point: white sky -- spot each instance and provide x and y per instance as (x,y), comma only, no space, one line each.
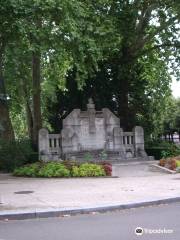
(175,86)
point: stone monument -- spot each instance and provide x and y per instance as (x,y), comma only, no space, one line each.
(92,132)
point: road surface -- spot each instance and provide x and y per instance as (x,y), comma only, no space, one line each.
(157,222)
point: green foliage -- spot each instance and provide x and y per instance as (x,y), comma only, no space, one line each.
(172,151)
(75,171)
(15,154)
(178,164)
(159,144)
(88,170)
(172,117)
(56,169)
(31,170)
(162,149)
(69,164)
(55,29)
(156,152)
(40,169)
(154,94)
(166,154)
(115,40)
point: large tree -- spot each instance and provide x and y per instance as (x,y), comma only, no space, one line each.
(52,38)
(144,26)
(129,42)
(8,32)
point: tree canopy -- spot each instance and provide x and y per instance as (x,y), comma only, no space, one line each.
(56,54)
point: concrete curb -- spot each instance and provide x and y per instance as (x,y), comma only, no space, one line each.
(157,168)
(58,212)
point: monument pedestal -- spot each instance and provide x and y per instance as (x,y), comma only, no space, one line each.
(92,132)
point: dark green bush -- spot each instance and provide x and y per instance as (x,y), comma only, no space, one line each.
(156,152)
(161,149)
(158,144)
(14,154)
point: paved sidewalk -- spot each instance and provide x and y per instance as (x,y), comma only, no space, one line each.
(135,169)
(84,192)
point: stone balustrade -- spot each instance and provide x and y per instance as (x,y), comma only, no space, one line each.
(128,138)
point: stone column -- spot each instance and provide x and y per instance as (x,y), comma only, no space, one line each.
(138,133)
(43,144)
(117,138)
(67,135)
(91,113)
(118,141)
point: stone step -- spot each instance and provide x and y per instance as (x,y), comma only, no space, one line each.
(96,155)
(114,160)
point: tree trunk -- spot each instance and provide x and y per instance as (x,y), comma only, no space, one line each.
(29,115)
(124,78)
(123,108)
(6,129)
(37,121)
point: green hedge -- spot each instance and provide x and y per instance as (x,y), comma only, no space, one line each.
(57,169)
(160,152)
(156,152)
(161,149)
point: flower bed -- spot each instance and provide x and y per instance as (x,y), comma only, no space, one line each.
(64,169)
(172,163)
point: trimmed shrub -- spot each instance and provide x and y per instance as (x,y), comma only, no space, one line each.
(31,170)
(54,169)
(40,169)
(75,171)
(57,169)
(70,164)
(88,170)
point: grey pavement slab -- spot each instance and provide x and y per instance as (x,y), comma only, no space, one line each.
(84,192)
(136,169)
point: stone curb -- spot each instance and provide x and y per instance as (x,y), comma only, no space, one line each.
(156,167)
(60,212)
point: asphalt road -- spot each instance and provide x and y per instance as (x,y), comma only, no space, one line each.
(118,225)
